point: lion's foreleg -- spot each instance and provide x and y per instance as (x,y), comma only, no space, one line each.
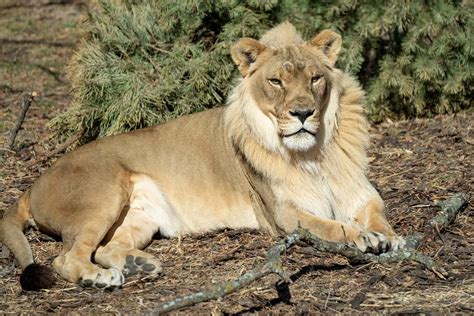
(371,217)
(290,217)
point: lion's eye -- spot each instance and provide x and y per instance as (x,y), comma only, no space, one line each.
(316,79)
(275,82)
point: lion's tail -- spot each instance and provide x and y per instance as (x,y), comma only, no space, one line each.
(34,276)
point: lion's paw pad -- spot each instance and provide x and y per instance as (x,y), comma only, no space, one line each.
(134,265)
(87,283)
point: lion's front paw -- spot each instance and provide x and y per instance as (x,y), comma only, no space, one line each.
(377,243)
(396,243)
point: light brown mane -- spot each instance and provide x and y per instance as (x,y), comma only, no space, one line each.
(282,35)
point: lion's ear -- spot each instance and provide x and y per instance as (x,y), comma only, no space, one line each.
(330,43)
(245,52)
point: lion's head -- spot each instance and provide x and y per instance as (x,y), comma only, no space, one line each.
(290,81)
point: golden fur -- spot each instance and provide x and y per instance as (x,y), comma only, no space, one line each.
(288,150)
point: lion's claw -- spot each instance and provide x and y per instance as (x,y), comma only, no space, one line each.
(377,243)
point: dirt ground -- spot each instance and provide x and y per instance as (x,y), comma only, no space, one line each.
(413,164)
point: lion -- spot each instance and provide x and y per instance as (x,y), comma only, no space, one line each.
(288,150)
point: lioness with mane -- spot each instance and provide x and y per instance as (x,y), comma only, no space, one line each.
(288,150)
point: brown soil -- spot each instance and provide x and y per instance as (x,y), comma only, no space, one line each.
(413,164)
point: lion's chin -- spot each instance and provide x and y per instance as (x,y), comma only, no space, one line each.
(300,142)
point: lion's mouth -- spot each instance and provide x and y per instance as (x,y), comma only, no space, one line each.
(302,130)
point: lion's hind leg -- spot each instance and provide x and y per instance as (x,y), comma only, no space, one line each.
(149,212)
(92,216)
(123,252)
(74,263)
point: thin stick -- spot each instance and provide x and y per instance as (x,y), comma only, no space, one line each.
(25,104)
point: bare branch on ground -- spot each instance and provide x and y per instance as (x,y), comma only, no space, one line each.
(449,210)
(219,290)
(25,105)
(273,264)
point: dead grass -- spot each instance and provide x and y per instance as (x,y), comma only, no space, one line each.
(413,164)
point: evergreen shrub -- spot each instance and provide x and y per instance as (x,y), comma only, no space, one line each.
(143,62)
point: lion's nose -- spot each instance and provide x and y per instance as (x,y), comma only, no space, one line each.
(302,115)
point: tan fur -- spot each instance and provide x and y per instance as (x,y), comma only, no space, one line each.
(249,165)
(11,226)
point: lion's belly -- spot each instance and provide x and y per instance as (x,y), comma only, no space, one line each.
(175,211)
